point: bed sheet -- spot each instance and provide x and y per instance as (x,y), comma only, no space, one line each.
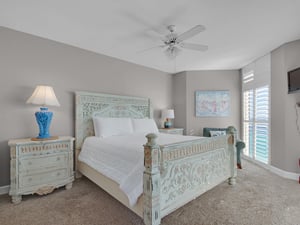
(121,158)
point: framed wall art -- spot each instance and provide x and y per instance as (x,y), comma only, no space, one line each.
(212,103)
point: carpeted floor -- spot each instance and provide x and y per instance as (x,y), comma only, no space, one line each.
(258,198)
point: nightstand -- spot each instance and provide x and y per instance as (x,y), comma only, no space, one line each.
(40,166)
(171,130)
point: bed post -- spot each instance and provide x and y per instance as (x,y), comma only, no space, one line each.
(77,173)
(151,183)
(231,143)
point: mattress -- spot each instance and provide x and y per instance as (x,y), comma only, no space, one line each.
(121,158)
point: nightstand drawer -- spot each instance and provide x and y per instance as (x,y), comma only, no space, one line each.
(43,148)
(38,164)
(178,131)
(175,131)
(42,178)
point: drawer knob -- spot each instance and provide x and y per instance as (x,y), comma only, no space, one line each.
(58,158)
(58,174)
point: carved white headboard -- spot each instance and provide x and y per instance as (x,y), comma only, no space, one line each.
(106,105)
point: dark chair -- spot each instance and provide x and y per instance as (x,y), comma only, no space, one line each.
(240,145)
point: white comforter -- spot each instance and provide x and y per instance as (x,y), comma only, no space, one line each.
(121,158)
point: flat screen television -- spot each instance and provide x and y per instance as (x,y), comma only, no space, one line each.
(294,81)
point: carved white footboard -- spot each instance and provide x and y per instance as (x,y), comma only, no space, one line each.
(177,173)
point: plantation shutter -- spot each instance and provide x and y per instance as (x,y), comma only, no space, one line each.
(256,78)
(262,124)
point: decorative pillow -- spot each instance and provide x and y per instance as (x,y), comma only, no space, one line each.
(144,125)
(106,127)
(214,133)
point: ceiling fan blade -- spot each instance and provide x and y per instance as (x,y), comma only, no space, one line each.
(148,49)
(192,46)
(190,33)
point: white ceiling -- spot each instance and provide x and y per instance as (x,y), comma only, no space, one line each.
(237,31)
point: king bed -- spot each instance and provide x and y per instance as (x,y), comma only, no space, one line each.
(154,180)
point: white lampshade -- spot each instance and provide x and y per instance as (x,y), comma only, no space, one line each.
(43,95)
(168,114)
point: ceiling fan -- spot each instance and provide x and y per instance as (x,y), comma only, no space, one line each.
(174,43)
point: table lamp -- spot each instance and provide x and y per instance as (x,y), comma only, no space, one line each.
(168,114)
(43,96)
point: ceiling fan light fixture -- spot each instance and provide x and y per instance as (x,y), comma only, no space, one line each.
(172,52)
(170,38)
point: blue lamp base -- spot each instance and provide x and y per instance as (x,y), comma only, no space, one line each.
(43,118)
(168,124)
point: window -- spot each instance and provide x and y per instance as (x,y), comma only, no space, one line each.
(256,123)
(256,110)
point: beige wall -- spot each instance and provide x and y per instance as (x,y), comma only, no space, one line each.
(285,137)
(192,81)
(179,99)
(26,61)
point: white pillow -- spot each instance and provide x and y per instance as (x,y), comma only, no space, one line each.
(106,127)
(144,125)
(214,133)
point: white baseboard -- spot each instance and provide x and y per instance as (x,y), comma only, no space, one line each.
(4,190)
(279,172)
